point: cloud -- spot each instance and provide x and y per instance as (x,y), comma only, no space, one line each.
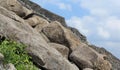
(64,6)
(100,6)
(103,33)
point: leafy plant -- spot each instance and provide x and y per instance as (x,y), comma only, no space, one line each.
(14,53)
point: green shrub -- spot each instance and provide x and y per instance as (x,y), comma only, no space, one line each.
(14,53)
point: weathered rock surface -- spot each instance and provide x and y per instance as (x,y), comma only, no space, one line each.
(43,55)
(52,45)
(45,38)
(111,58)
(35,20)
(15,6)
(89,59)
(62,49)
(59,34)
(44,13)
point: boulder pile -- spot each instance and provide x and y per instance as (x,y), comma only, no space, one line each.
(50,42)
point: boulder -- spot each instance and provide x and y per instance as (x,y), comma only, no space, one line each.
(42,54)
(37,22)
(86,57)
(13,16)
(111,58)
(61,48)
(15,6)
(48,15)
(59,34)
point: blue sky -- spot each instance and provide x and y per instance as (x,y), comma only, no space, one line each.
(99,20)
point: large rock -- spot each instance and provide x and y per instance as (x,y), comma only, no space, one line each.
(15,6)
(61,48)
(45,13)
(43,55)
(59,34)
(86,57)
(35,20)
(111,58)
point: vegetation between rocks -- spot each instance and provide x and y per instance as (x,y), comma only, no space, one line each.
(14,53)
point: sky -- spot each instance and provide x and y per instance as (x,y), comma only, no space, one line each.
(98,20)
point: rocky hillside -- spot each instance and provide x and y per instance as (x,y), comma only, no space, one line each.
(50,43)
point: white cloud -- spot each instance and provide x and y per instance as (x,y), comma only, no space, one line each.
(64,6)
(103,33)
(96,6)
(113,23)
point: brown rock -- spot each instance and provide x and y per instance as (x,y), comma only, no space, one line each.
(43,55)
(82,55)
(85,57)
(110,57)
(45,38)
(62,49)
(45,13)
(37,22)
(15,6)
(59,34)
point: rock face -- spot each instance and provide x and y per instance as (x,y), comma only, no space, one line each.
(44,13)
(62,49)
(89,59)
(43,55)
(15,6)
(59,34)
(51,44)
(112,59)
